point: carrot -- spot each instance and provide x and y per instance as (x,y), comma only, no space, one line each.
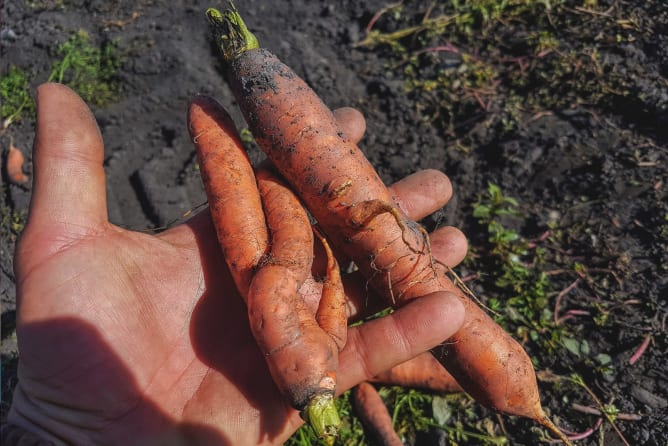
(14,165)
(302,357)
(374,415)
(230,185)
(421,372)
(331,313)
(354,209)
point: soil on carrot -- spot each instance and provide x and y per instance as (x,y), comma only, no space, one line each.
(549,117)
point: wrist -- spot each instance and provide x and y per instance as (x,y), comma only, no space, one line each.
(29,423)
(32,424)
(13,435)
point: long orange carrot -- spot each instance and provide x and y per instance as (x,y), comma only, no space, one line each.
(230,186)
(351,204)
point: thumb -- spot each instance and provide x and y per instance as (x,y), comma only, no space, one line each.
(69,194)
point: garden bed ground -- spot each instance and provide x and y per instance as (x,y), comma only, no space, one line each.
(563,110)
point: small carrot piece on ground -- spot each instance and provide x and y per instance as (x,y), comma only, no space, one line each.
(353,207)
(15,160)
(302,357)
(422,372)
(230,186)
(373,413)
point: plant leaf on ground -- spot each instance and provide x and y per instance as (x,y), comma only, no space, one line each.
(15,96)
(518,287)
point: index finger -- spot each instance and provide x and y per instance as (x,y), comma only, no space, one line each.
(382,343)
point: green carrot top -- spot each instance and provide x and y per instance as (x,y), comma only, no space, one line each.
(234,37)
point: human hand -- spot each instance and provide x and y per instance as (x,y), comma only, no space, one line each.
(126,337)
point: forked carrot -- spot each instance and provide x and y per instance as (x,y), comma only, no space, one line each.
(302,356)
(331,314)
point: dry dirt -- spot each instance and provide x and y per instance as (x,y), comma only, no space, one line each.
(590,176)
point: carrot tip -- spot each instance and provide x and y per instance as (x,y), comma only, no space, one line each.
(549,425)
(322,416)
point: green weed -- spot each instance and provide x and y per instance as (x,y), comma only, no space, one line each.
(609,411)
(45,5)
(452,92)
(458,416)
(520,289)
(502,62)
(450,55)
(396,40)
(12,222)
(89,70)
(412,412)
(15,94)
(488,209)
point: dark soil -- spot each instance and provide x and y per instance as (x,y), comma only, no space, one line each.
(579,142)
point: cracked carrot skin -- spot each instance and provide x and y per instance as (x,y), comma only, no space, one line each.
(230,185)
(302,357)
(329,173)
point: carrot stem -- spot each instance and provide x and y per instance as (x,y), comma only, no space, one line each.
(322,415)
(229,28)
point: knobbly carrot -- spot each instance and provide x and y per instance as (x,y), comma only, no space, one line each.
(302,357)
(422,372)
(374,415)
(352,206)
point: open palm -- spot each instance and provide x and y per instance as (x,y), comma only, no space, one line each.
(131,338)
